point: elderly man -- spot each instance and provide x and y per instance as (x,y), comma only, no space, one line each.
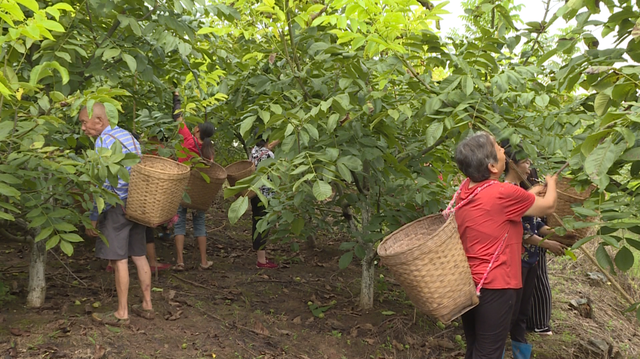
(126,238)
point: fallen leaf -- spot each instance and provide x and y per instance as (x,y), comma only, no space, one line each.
(367,326)
(285,290)
(354,332)
(369,341)
(309,321)
(96,305)
(260,329)
(397,345)
(285,332)
(114,329)
(297,320)
(169,294)
(327,287)
(174,316)
(99,351)
(19,333)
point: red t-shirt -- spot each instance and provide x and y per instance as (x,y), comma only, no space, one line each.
(189,143)
(483,223)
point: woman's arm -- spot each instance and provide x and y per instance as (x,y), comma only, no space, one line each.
(546,205)
(552,246)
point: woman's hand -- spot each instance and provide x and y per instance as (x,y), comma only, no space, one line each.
(553,247)
(537,189)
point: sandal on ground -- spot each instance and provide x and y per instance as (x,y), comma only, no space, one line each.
(208,266)
(110,319)
(143,313)
(179,267)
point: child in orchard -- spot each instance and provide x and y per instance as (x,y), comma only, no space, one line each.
(261,152)
(199,144)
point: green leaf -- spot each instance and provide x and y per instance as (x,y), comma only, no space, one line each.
(71,237)
(51,25)
(66,247)
(433,104)
(7,178)
(238,208)
(345,260)
(467,85)
(297,225)
(603,257)
(110,53)
(322,190)
(631,155)
(29,4)
(112,114)
(388,312)
(7,190)
(332,122)
(601,103)
(65,227)
(99,203)
(345,246)
(44,233)
(434,132)
(624,259)
(53,241)
(131,62)
(37,222)
(351,162)
(313,132)
(7,216)
(600,160)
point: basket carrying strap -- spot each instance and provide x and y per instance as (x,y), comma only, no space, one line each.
(124,209)
(450,209)
(123,145)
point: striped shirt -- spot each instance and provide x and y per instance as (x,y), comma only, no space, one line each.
(128,144)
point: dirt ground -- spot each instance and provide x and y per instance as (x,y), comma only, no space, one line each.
(238,311)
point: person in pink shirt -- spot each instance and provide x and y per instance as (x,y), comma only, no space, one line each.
(197,144)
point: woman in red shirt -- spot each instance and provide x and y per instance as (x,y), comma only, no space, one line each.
(197,144)
(488,215)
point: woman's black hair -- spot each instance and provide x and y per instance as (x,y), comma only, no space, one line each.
(206,132)
(532,178)
(260,142)
(512,153)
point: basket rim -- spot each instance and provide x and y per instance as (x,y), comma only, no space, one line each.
(387,238)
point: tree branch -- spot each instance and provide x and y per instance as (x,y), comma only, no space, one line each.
(12,237)
(110,33)
(155,7)
(543,27)
(317,15)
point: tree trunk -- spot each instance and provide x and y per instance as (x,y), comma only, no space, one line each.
(37,283)
(367,284)
(368,277)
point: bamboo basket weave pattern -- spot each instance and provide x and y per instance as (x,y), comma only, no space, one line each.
(201,193)
(427,258)
(567,196)
(156,186)
(239,170)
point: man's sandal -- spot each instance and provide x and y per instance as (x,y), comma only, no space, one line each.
(179,267)
(110,319)
(143,313)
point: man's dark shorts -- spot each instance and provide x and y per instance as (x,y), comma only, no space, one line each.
(126,238)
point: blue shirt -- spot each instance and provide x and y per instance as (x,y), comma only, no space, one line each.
(531,226)
(128,144)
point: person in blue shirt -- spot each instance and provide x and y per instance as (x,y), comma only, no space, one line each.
(125,238)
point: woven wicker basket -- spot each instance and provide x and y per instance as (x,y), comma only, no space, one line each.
(156,186)
(239,170)
(567,195)
(202,193)
(427,258)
